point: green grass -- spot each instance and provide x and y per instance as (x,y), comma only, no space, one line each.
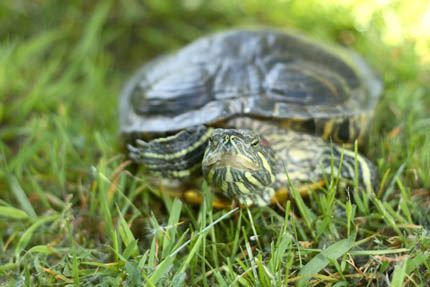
(73,213)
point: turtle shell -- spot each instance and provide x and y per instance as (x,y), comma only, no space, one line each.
(263,73)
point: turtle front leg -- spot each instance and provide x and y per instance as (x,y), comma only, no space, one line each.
(178,156)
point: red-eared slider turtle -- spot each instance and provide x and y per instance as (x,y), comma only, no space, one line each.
(244,109)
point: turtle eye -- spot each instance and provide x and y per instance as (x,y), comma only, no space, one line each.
(255,142)
(211,139)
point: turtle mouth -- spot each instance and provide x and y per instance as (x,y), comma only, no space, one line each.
(236,161)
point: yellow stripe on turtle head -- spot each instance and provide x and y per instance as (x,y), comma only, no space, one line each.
(267,166)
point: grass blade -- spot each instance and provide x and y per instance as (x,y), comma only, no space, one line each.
(26,236)
(399,274)
(22,197)
(12,212)
(321,260)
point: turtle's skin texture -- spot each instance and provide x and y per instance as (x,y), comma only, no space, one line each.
(244,109)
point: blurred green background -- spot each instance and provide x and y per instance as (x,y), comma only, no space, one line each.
(62,65)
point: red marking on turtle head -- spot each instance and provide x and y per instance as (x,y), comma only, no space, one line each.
(264,142)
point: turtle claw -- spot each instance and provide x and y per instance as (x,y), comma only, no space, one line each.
(134,152)
(141,143)
(132,148)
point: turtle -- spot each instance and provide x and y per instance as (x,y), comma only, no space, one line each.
(254,112)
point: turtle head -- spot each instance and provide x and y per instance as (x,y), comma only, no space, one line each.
(240,164)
